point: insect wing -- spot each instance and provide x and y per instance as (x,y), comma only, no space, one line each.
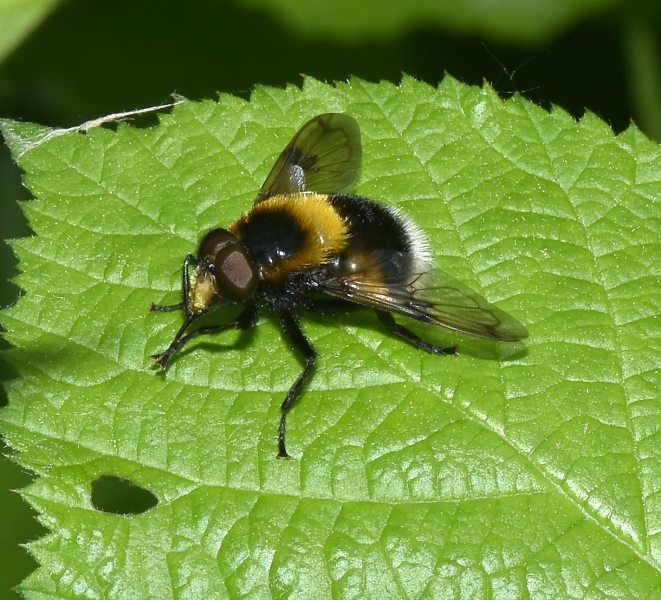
(397,282)
(324,156)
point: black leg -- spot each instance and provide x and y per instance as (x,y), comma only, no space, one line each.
(400,331)
(245,320)
(292,330)
(185,290)
(166,308)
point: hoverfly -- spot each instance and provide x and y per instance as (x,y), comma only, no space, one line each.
(304,246)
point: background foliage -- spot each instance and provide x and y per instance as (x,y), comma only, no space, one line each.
(599,55)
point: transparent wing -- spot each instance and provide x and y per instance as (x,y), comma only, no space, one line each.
(324,156)
(397,282)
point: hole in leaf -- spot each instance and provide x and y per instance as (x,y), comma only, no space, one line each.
(112,494)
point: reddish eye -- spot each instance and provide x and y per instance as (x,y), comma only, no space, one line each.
(233,270)
(235,274)
(214,241)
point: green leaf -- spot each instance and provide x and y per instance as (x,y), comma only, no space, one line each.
(507,471)
(505,20)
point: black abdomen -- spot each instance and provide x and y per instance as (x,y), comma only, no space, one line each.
(372,226)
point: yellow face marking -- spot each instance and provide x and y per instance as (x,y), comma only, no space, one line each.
(202,290)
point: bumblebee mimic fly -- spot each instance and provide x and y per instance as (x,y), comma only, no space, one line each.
(305,246)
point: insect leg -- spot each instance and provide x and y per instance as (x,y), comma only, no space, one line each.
(400,331)
(244,321)
(185,286)
(292,330)
(165,308)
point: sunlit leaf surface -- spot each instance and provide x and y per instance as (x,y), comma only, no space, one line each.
(508,471)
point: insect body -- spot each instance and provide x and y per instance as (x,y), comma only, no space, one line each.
(304,246)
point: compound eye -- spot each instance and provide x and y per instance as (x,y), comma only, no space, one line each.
(214,241)
(234,271)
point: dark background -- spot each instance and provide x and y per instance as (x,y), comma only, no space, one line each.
(91,58)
